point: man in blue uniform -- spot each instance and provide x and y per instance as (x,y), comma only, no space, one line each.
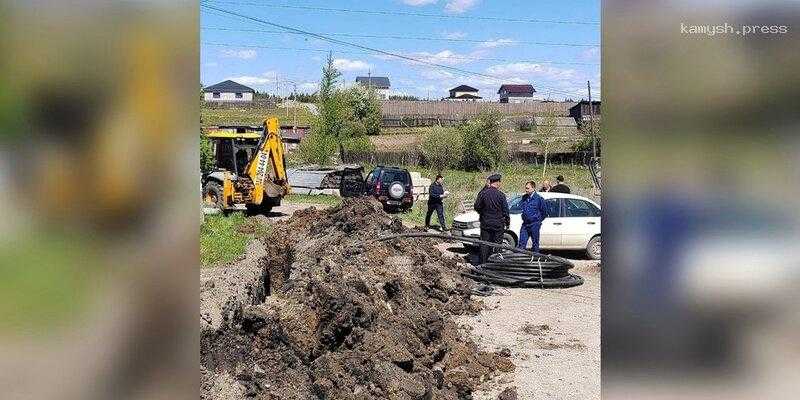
(533,213)
(492,206)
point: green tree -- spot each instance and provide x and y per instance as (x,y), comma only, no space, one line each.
(345,118)
(321,144)
(443,148)
(206,155)
(484,146)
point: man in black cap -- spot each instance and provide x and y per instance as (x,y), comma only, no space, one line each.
(492,206)
(560,186)
(435,195)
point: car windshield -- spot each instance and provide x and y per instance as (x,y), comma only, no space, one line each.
(515,204)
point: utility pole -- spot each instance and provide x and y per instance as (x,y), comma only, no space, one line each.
(294,107)
(369,79)
(591,119)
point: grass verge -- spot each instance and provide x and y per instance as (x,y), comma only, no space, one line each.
(224,238)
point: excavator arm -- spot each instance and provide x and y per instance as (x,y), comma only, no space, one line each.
(267,167)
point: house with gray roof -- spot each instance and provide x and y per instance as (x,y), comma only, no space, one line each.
(380,84)
(228,91)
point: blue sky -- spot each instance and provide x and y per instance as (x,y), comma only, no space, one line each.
(501,51)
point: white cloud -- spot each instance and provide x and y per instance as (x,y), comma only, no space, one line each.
(592,53)
(454,35)
(517,69)
(252,80)
(444,57)
(489,44)
(417,3)
(264,79)
(242,54)
(344,64)
(459,6)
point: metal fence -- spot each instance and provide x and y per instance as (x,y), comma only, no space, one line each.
(457,110)
(582,158)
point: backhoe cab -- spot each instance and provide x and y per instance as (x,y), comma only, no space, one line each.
(250,168)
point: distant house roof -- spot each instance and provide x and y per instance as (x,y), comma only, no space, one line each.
(517,89)
(466,96)
(378,82)
(464,88)
(228,87)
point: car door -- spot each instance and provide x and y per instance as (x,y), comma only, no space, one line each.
(550,233)
(581,222)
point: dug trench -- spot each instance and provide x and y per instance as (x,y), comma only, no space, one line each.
(334,315)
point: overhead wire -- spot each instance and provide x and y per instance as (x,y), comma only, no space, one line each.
(411,13)
(205,5)
(401,37)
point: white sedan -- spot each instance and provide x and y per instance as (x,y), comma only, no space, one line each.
(572,223)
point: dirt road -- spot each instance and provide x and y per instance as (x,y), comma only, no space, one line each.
(553,335)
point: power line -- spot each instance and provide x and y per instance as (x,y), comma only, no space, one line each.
(411,14)
(428,38)
(345,43)
(455,57)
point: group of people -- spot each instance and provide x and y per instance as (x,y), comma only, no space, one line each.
(492,207)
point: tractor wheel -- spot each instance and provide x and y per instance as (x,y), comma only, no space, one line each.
(212,195)
(263,208)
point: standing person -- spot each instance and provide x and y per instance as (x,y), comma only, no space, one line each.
(492,206)
(546,186)
(533,213)
(435,195)
(560,186)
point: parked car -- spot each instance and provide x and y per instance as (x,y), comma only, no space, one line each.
(391,186)
(572,223)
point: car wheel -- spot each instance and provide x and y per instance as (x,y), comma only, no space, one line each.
(509,239)
(593,248)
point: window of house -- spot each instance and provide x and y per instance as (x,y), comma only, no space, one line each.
(239,95)
(215,95)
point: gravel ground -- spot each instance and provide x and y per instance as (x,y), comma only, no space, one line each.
(553,335)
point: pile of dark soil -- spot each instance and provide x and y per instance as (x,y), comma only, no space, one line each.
(334,318)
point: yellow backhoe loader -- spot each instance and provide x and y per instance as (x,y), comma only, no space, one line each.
(250,168)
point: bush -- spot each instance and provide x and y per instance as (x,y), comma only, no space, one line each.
(359,144)
(524,125)
(206,155)
(484,146)
(317,148)
(443,148)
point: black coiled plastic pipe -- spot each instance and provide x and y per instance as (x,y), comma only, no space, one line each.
(512,267)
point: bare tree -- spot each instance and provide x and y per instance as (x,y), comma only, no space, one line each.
(546,129)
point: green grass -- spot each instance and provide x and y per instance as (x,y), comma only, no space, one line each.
(213,116)
(224,238)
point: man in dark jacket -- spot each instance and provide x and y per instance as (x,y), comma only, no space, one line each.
(435,195)
(533,213)
(560,187)
(492,206)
